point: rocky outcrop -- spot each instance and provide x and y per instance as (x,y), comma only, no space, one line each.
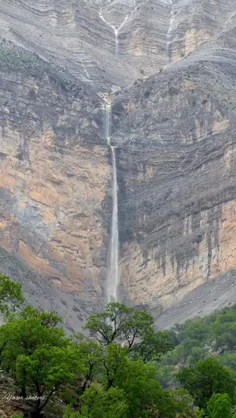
(170,67)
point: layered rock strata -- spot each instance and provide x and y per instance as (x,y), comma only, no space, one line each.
(54,173)
(177,172)
(171,67)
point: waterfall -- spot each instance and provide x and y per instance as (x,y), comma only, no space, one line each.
(169,35)
(113,266)
(108,123)
(113,278)
(115,30)
(116,42)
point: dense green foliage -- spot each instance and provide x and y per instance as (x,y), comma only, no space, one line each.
(220,406)
(198,339)
(119,370)
(11,296)
(207,349)
(206,378)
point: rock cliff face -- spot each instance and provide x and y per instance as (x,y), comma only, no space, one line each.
(177,182)
(171,67)
(79,36)
(54,173)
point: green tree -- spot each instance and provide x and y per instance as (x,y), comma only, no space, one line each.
(115,363)
(196,330)
(229,360)
(11,296)
(165,376)
(184,402)
(220,406)
(38,355)
(197,354)
(119,323)
(44,372)
(23,336)
(131,327)
(99,403)
(224,329)
(91,356)
(144,395)
(206,378)
(49,319)
(153,345)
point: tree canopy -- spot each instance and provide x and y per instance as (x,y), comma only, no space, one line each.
(220,405)
(132,328)
(205,379)
(123,369)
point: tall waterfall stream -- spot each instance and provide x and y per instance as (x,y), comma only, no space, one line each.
(113,263)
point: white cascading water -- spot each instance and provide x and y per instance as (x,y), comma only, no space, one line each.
(169,36)
(113,280)
(108,122)
(113,267)
(115,30)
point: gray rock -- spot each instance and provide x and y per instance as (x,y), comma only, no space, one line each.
(172,78)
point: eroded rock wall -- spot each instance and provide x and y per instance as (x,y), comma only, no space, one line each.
(177,181)
(54,174)
(78,35)
(171,72)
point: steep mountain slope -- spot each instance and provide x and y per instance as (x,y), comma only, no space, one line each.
(78,35)
(169,68)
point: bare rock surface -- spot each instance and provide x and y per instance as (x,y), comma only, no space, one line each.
(54,173)
(177,171)
(79,35)
(205,299)
(170,68)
